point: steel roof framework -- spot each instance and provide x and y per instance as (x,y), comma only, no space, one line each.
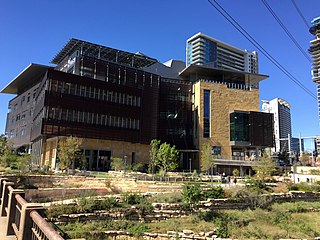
(137,60)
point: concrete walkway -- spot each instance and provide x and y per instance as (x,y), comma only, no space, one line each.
(3,230)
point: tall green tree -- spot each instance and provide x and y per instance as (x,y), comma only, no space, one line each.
(206,157)
(3,145)
(69,152)
(154,148)
(264,168)
(167,157)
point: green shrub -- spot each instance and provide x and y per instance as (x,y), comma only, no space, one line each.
(138,167)
(220,220)
(208,216)
(56,211)
(138,229)
(86,204)
(192,193)
(222,229)
(214,192)
(132,198)
(90,204)
(108,203)
(305,187)
(256,185)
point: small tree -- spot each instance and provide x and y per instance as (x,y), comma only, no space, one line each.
(284,156)
(154,148)
(206,157)
(235,173)
(264,168)
(117,163)
(8,157)
(304,158)
(24,162)
(70,152)
(167,157)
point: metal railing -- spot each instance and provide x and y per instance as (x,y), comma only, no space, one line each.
(24,220)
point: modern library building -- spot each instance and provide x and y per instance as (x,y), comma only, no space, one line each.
(117,102)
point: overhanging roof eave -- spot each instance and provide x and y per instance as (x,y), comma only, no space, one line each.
(28,77)
(193,69)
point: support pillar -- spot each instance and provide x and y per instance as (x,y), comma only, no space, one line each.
(300,144)
(5,198)
(25,228)
(12,209)
(1,186)
(241,171)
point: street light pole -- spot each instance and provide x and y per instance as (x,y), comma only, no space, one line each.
(124,165)
(190,165)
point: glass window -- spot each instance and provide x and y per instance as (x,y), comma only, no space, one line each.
(97,93)
(82,91)
(116,97)
(138,101)
(92,90)
(206,113)
(239,126)
(129,100)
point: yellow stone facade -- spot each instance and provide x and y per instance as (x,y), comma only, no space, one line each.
(117,148)
(223,100)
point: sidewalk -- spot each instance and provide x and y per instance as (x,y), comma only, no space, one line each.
(3,230)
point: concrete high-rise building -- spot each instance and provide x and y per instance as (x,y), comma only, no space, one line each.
(295,145)
(204,50)
(314,50)
(282,122)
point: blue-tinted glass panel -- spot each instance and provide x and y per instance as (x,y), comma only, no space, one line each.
(206,113)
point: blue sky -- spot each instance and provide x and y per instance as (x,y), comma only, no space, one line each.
(34,31)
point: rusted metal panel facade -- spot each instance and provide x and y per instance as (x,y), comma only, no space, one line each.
(121,105)
(261,129)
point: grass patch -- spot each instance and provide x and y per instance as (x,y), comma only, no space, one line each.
(94,230)
(286,220)
(84,205)
(100,175)
(174,197)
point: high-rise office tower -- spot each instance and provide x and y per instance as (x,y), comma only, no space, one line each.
(314,50)
(282,122)
(204,50)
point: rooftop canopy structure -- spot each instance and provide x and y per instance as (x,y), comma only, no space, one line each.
(137,60)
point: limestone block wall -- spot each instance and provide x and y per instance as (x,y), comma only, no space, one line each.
(223,100)
(117,148)
(55,187)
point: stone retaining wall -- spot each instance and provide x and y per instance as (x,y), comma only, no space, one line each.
(184,235)
(162,211)
(116,185)
(52,194)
